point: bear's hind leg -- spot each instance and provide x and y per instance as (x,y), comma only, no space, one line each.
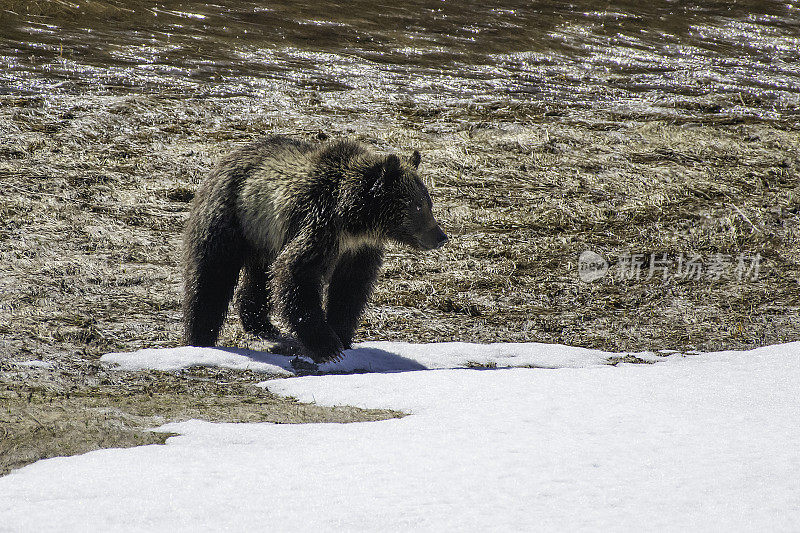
(213,258)
(349,289)
(254,300)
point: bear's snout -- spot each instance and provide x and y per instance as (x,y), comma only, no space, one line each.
(434,238)
(442,240)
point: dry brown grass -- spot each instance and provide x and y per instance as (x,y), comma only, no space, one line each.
(97,190)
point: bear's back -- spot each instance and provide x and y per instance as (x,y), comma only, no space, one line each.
(285,179)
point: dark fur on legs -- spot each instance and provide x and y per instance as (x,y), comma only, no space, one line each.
(349,289)
(212,270)
(297,281)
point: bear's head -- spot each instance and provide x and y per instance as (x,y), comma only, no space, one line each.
(406,210)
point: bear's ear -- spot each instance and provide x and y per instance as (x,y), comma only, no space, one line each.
(415,159)
(392,164)
(391,169)
(385,173)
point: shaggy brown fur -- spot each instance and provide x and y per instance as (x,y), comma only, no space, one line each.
(295,218)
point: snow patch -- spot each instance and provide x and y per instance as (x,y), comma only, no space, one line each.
(377,357)
(184,357)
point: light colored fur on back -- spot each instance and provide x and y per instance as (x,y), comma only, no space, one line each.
(265,198)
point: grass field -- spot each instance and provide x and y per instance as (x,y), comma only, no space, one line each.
(96,191)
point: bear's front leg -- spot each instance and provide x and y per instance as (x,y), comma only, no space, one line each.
(349,289)
(297,292)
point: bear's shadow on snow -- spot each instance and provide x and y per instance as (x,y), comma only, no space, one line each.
(372,360)
(355,360)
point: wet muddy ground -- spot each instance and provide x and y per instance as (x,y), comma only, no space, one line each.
(674,155)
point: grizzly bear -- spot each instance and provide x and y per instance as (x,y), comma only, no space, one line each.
(296,219)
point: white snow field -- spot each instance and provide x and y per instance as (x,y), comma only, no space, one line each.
(704,442)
